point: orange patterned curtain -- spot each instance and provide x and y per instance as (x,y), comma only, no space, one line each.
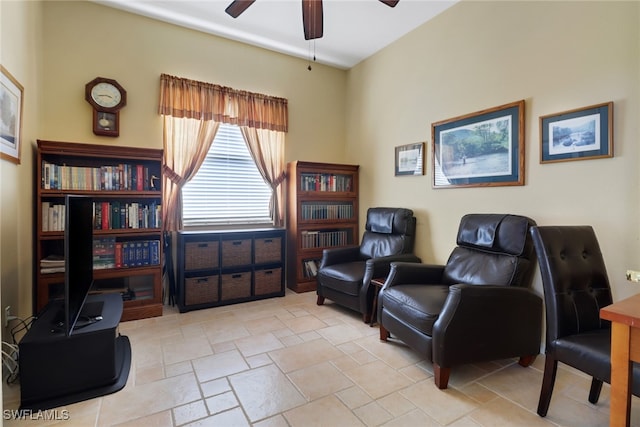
(192,112)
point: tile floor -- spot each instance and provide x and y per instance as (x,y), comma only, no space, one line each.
(288,362)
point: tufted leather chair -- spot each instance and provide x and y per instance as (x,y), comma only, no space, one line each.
(477,307)
(345,273)
(576,287)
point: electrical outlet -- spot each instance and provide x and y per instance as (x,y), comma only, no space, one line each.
(7,315)
(633,276)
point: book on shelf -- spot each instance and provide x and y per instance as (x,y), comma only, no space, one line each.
(52,264)
(115,177)
(311,268)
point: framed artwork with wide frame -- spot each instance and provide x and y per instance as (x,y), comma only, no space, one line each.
(10,116)
(410,159)
(579,134)
(481,149)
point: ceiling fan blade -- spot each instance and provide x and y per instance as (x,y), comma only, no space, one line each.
(238,6)
(312,19)
(390,3)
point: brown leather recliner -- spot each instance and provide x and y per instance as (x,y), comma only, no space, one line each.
(345,273)
(477,307)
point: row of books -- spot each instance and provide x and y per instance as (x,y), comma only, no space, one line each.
(326,182)
(107,215)
(117,215)
(111,253)
(326,211)
(321,239)
(310,268)
(119,177)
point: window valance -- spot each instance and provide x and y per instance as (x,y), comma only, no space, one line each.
(185,98)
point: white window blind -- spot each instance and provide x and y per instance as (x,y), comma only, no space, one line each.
(228,189)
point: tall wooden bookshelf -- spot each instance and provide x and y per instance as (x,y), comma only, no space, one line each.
(322,212)
(125,185)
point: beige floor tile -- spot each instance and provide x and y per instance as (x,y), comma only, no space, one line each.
(231,418)
(289,362)
(304,323)
(305,354)
(444,406)
(161,419)
(257,344)
(353,397)
(148,399)
(328,411)
(190,412)
(221,402)
(413,419)
(500,412)
(219,365)
(377,379)
(264,392)
(319,380)
(373,414)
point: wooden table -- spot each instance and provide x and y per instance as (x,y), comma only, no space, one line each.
(625,348)
(378,284)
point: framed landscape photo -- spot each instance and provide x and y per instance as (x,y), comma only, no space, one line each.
(580,134)
(10,116)
(410,159)
(485,148)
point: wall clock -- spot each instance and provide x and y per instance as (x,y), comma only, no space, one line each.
(107,97)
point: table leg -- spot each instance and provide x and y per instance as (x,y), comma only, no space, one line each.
(620,410)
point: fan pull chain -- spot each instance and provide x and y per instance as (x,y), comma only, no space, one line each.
(314,53)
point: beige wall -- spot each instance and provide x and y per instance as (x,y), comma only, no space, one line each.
(20,38)
(476,55)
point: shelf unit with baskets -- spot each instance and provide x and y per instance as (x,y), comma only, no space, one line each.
(125,185)
(322,212)
(228,267)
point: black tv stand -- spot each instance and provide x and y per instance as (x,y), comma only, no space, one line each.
(57,370)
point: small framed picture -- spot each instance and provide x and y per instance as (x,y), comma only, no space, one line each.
(10,117)
(410,159)
(580,134)
(485,148)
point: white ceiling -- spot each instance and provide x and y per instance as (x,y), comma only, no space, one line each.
(353,29)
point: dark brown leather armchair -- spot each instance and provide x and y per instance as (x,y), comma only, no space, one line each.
(477,307)
(345,273)
(576,287)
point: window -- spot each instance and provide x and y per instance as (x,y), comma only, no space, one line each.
(228,188)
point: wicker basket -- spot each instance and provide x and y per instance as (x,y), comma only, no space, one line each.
(268,281)
(268,250)
(236,252)
(200,290)
(236,285)
(201,255)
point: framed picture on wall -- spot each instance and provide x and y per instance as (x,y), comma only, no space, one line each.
(410,159)
(580,134)
(10,116)
(485,148)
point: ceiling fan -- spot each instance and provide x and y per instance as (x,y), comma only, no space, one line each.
(311,14)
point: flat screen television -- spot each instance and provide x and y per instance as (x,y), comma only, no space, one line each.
(78,249)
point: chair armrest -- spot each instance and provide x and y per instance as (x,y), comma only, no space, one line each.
(407,273)
(340,255)
(487,322)
(379,267)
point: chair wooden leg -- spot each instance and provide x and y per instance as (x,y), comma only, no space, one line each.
(594,393)
(548,379)
(366,318)
(384,334)
(441,376)
(320,300)
(526,360)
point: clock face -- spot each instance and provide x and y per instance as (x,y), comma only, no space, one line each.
(106,95)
